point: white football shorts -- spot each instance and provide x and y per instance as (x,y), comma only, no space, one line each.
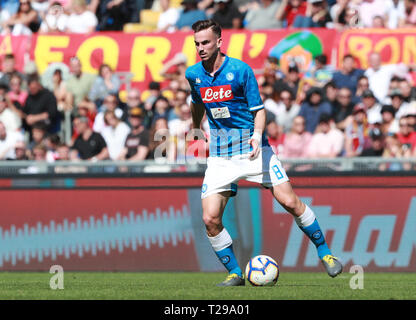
(222,174)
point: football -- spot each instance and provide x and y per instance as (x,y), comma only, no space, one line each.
(262,271)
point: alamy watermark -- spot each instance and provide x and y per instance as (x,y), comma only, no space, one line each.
(357,280)
(57,280)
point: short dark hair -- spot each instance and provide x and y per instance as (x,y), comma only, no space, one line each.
(33,78)
(322,59)
(207,24)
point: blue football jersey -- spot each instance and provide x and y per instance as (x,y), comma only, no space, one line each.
(229,98)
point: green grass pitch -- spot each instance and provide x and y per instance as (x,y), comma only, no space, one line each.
(201,286)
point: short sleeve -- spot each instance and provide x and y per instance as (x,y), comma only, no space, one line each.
(195,97)
(251,90)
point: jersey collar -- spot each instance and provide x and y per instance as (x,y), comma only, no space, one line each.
(219,70)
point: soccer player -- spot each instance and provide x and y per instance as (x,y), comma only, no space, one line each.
(226,89)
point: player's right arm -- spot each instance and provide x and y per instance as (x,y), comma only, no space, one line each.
(198,111)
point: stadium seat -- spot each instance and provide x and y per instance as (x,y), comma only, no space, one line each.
(148,22)
(136,27)
(175,3)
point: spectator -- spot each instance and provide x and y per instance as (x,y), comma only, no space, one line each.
(379,75)
(227,15)
(162,109)
(292,80)
(107,82)
(397,101)
(24,22)
(408,92)
(285,111)
(149,97)
(52,141)
(320,72)
(174,70)
(393,149)
(8,8)
(262,15)
(161,147)
(39,152)
(297,140)
(275,136)
(342,108)
(81,20)
(362,85)
(330,91)
(79,84)
(396,13)
(41,6)
(136,147)
(327,141)
(378,22)
(372,107)
(168,17)
(356,133)
(59,88)
(316,16)
(313,107)
(338,11)
(376,149)
(56,20)
(38,134)
(112,14)
(8,68)
(41,106)
(189,15)
(20,151)
(89,145)
(410,10)
(114,133)
(180,96)
(8,116)
(406,135)
(63,152)
(16,94)
(369,9)
(110,103)
(179,128)
(8,141)
(348,75)
(411,118)
(289,10)
(389,124)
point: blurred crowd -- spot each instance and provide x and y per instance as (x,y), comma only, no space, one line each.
(322,112)
(81,16)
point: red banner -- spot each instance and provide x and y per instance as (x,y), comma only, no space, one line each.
(144,54)
(395,46)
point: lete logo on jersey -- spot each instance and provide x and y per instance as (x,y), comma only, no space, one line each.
(216,94)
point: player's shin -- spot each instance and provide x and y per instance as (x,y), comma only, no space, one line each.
(222,245)
(308,223)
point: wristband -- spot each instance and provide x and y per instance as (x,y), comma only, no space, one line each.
(256,136)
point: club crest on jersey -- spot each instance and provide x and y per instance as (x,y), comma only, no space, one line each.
(197,80)
(216,94)
(230,76)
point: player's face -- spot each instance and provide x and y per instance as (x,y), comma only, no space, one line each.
(207,44)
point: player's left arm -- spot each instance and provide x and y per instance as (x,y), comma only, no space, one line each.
(259,126)
(256,106)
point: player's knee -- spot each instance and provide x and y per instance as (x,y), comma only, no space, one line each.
(290,202)
(211,221)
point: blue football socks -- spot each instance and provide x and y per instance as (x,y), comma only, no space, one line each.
(309,225)
(229,260)
(314,233)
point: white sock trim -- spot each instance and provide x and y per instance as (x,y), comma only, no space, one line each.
(306,219)
(221,240)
